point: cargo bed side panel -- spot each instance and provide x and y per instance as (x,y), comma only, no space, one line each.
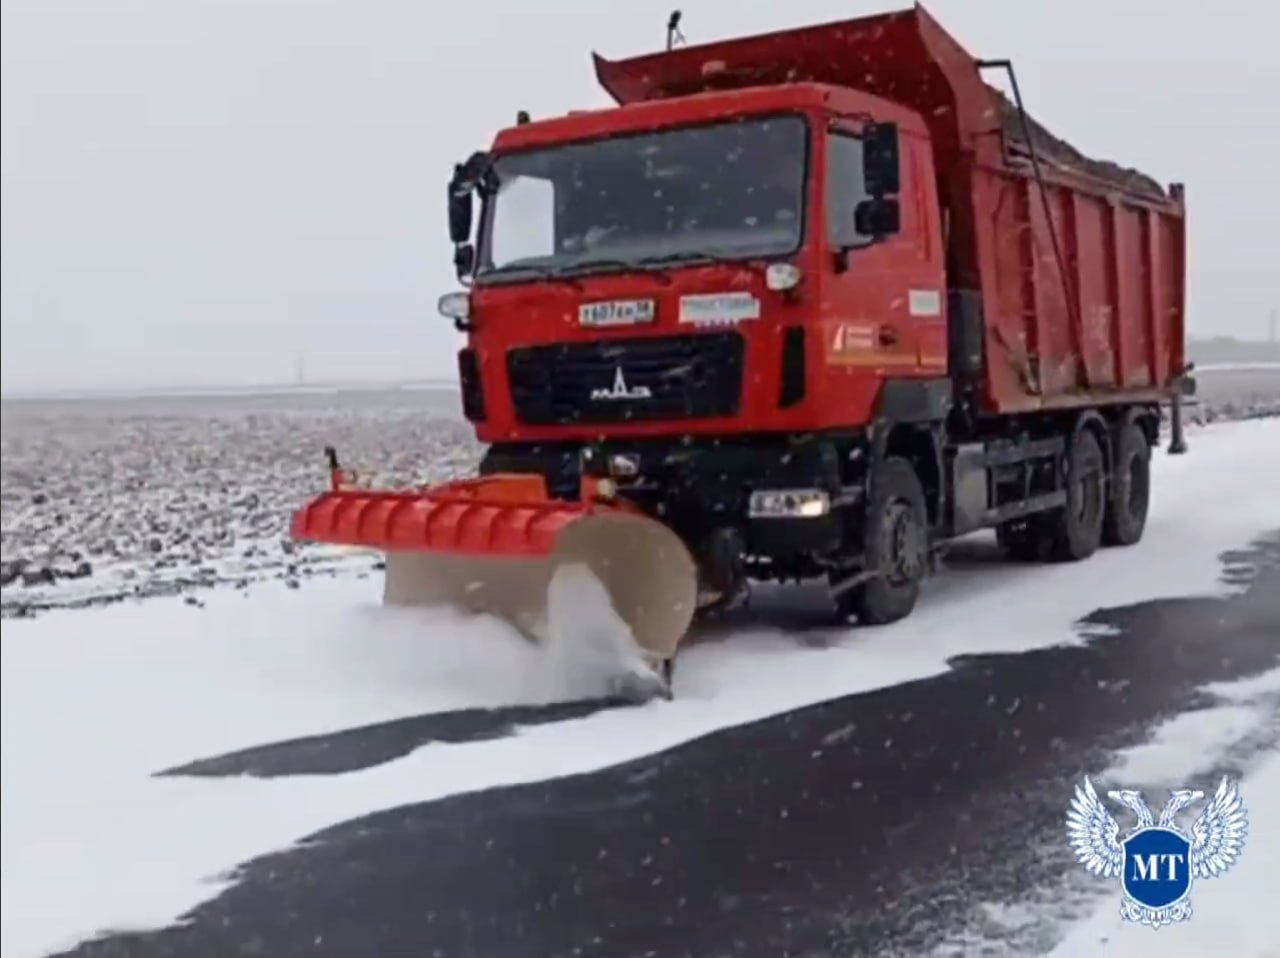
(1083,291)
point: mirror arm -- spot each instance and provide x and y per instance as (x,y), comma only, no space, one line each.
(464,262)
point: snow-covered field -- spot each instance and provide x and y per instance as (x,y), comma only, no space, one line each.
(159,495)
(96,700)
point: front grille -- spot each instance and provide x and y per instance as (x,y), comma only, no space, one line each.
(627,380)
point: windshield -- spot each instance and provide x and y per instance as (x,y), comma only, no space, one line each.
(728,190)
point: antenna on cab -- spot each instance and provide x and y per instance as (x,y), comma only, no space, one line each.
(673,29)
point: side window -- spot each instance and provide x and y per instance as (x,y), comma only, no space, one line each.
(845,189)
(524,220)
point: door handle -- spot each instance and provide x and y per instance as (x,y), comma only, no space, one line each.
(888,335)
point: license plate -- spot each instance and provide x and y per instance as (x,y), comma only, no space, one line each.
(617,312)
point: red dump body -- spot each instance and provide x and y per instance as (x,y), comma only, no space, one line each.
(1071,283)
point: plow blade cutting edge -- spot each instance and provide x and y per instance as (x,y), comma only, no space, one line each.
(493,545)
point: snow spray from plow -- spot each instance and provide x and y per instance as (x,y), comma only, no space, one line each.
(502,545)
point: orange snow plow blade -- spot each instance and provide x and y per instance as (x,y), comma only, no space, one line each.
(492,545)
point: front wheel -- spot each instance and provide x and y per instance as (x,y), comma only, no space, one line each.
(897,548)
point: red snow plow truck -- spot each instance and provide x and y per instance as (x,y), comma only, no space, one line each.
(806,304)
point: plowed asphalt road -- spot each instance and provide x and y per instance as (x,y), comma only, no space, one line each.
(870,824)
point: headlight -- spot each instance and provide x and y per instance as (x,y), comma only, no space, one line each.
(780,277)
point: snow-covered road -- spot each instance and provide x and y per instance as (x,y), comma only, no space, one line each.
(97,701)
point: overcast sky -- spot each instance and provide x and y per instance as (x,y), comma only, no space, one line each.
(199,192)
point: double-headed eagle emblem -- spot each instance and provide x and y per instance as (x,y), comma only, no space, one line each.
(1157,860)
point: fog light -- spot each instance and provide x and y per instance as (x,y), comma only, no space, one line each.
(454,305)
(789,504)
(780,277)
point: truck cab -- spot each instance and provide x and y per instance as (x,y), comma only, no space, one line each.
(741,262)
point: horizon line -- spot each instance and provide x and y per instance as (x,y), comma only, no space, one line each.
(247,389)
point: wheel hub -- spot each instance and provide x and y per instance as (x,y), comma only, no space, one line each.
(1088,494)
(903,561)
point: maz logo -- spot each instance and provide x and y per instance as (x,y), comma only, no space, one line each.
(620,390)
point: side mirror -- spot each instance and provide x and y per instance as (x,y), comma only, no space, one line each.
(459,214)
(880,159)
(475,174)
(877,217)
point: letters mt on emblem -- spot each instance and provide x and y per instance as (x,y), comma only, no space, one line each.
(1157,867)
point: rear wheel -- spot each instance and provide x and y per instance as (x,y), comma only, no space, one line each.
(897,548)
(1076,529)
(1126,515)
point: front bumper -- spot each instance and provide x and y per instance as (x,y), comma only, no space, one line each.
(698,485)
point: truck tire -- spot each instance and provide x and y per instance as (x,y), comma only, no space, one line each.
(1126,516)
(897,548)
(1076,528)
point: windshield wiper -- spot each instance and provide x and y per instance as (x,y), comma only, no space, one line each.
(689,255)
(571,272)
(539,272)
(639,265)
(595,263)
